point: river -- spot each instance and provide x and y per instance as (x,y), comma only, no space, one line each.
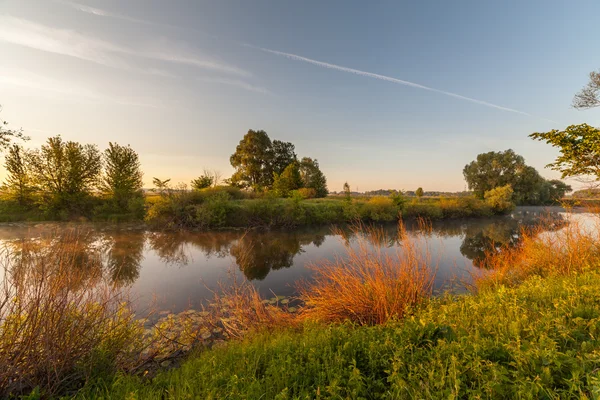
(176,271)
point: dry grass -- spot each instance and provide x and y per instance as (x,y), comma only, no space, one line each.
(368,285)
(60,320)
(544,252)
(238,309)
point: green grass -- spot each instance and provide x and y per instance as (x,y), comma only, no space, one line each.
(539,340)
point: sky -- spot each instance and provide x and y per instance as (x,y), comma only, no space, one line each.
(384,94)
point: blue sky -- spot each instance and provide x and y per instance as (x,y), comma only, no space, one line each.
(383,94)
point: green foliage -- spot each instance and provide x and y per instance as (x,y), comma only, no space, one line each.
(539,340)
(288,181)
(496,169)
(579,147)
(380,208)
(500,199)
(306,193)
(66,173)
(18,184)
(252,160)
(122,178)
(313,177)
(419,192)
(493,169)
(283,156)
(202,182)
(162,186)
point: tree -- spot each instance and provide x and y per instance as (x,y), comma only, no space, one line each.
(346,188)
(579,147)
(162,186)
(313,177)
(252,160)
(556,190)
(493,169)
(18,183)
(589,96)
(7,135)
(66,172)
(288,180)
(122,180)
(283,155)
(202,182)
(419,192)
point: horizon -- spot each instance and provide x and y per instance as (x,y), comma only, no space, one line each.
(386,96)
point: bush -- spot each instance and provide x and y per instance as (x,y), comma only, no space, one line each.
(380,208)
(61,322)
(500,199)
(416,209)
(213,213)
(307,193)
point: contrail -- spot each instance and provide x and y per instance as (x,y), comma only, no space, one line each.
(389,79)
(296,57)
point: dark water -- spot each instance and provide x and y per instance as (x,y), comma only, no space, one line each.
(176,271)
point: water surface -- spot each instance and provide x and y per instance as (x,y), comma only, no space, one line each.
(175,271)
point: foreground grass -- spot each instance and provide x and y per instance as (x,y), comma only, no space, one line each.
(537,340)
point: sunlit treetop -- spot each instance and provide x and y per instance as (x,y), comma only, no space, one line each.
(579,147)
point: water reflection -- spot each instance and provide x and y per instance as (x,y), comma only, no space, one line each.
(173,264)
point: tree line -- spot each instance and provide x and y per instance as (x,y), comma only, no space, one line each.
(62,177)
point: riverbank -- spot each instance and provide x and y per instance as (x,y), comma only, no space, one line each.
(225,207)
(537,340)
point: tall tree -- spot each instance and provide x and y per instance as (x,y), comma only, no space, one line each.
(493,169)
(589,96)
(122,179)
(313,177)
(579,147)
(7,135)
(66,171)
(283,155)
(18,183)
(419,192)
(252,160)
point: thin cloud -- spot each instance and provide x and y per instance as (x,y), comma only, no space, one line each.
(70,43)
(100,12)
(296,57)
(41,85)
(236,83)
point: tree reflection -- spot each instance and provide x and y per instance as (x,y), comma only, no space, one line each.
(124,252)
(256,254)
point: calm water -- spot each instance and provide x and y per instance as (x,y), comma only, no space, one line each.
(176,271)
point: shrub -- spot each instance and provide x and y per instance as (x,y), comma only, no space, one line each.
(380,208)
(500,199)
(416,209)
(61,322)
(307,193)
(214,211)
(368,286)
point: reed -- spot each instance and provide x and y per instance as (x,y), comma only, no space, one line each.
(368,285)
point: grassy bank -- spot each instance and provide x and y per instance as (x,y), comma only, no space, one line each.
(228,207)
(212,209)
(538,340)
